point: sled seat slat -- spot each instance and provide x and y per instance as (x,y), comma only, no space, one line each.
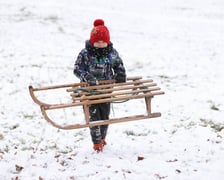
(98,101)
(121,88)
(114,94)
(104,86)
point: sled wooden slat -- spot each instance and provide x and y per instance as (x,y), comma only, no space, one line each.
(130,92)
(106,92)
(121,89)
(99,123)
(114,85)
(98,101)
(58,86)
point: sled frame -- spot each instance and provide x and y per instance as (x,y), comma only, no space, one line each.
(107,91)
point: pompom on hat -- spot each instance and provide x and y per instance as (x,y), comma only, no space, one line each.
(99,32)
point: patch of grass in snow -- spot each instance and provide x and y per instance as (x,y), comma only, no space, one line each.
(6,149)
(164,77)
(53,146)
(14,126)
(52,18)
(36,65)
(213,106)
(173,131)
(1,136)
(28,116)
(66,151)
(22,141)
(129,133)
(27,148)
(132,133)
(79,133)
(25,12)
(216,126)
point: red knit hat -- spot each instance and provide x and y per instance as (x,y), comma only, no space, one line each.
(99,32)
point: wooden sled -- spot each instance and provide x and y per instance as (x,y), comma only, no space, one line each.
(107,91)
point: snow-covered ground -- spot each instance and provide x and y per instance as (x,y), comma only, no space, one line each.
(177,43)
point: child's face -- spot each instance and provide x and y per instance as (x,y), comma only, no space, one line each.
(100,44)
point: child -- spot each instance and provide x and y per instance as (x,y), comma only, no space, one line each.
(99,61)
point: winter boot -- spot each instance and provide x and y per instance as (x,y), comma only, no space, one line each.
(98,147)
(103,142)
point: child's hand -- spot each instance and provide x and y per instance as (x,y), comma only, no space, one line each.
(120,77)
(91,80)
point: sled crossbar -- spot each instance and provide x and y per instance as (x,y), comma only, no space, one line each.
(106,92)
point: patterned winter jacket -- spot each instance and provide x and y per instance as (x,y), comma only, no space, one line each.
(102,63)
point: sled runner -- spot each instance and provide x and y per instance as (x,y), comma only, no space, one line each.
(107,91)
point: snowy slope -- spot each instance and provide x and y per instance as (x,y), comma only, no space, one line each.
(177,43)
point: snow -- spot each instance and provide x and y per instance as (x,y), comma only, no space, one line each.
(177,43)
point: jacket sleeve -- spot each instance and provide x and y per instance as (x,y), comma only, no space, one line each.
(80,66)
(118,67)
